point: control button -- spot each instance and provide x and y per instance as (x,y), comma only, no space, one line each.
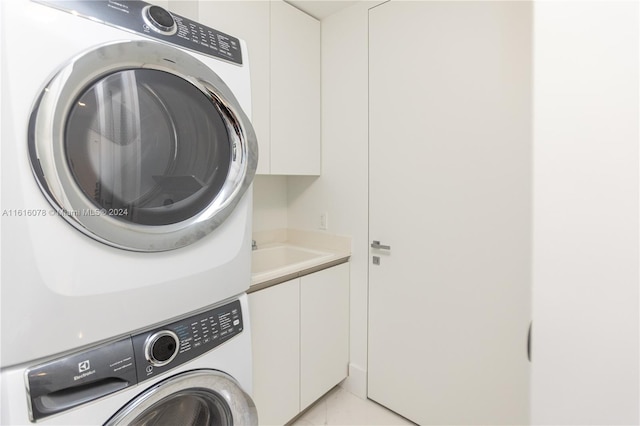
(161,16)
(159,19)
(161,348)
(164,348)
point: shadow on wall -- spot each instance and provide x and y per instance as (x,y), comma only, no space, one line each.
(298,185)
(272,196)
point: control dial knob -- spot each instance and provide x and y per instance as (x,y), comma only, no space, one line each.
(159,20)
(161,347)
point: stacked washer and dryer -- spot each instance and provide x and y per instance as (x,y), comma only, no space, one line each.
(127,162)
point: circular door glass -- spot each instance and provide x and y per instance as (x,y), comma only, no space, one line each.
(191,398)
(147,146)
(187,408)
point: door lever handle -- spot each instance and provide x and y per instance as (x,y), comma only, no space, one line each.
(377,245)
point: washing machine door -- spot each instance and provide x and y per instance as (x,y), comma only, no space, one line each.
(193,398)
(141,146)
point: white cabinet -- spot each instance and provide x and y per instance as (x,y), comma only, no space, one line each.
(275,330)
(295,91)
(284,56)
(300,335)
(324,337)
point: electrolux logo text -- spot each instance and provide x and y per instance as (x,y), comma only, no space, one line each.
(84,367)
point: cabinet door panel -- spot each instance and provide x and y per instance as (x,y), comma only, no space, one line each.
(295,91)
(324,337)
(275,324)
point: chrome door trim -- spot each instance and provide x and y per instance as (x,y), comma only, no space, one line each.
(242,408)
(46,144)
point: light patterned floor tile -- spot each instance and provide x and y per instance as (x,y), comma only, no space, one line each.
(341,408)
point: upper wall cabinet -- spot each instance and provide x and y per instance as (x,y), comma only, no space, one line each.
(284,55)
(295,91)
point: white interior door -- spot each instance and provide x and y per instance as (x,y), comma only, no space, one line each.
(450,193)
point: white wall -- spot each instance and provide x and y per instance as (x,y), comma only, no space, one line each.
(269,203)
(186,8)
(585,282)
(161,3)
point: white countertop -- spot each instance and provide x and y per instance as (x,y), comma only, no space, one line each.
(286,254)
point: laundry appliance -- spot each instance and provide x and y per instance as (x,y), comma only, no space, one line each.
(127,162)
(192,371)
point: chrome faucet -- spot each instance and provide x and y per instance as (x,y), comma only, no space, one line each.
(254,245)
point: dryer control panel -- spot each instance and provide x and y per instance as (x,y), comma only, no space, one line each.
(67,382)
(155,22)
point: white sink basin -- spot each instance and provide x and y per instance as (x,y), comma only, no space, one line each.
(280,257)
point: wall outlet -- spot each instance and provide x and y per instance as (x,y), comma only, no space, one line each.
(324,221)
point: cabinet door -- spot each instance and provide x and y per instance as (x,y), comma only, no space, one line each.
(248,20)
(324,332)
(295,91)
(275,323)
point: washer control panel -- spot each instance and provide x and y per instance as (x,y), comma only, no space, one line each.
(155,22)
(67,382)
(169,346)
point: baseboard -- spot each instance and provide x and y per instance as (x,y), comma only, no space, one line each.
(356,383)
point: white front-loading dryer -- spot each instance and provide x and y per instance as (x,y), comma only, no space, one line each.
(127,162)
(192,371)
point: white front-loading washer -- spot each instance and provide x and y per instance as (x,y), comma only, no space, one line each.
(127,162)
(194,370)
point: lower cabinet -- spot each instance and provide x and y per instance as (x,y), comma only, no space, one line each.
(324,332)
(275,331)
(300,332)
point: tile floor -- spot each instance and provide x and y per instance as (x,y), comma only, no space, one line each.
(341,408)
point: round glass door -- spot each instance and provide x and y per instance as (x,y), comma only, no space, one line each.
(141,146)
(147,146)
(194,398)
